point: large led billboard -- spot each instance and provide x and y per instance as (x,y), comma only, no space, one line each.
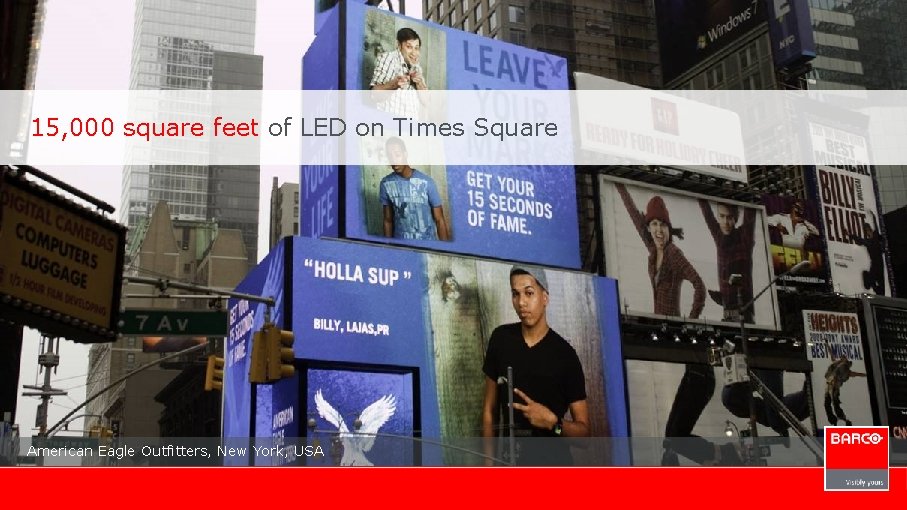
(277,423)
(517,213)
(676,254)
(376,309)
(500,211)
(381,404)
(689,31)
(246,317)
(319,183)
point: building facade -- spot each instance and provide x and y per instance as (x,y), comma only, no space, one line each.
(195,45)
(284,211)
(197,252)
(20,43)
(20,46)
(860,46)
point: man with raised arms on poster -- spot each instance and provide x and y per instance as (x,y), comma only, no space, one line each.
(548,377)
(735,256)
(735,259)
(410,199)
(399,71)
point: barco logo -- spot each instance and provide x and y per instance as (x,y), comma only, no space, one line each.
(856,458)
(855,438)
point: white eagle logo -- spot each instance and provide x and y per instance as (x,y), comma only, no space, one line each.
(356,444)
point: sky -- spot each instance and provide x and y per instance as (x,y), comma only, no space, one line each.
(87,45)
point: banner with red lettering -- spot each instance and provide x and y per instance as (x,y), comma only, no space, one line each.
(840,386)
(851,220)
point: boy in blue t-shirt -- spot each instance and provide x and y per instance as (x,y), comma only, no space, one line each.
(411,202)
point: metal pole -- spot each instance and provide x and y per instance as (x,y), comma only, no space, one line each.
(785,413)
(45,403)
(754,433)
(175,296)
(45,398)
(808,385)
(512,427)
(50,359)
(742,308)
(74,418)
(164,284)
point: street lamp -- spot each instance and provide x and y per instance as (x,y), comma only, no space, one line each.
(737,281)
(730,429)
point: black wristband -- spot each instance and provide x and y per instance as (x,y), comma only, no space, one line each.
(558,427)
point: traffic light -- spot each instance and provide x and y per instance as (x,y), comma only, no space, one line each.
(280,353)
(272,355)
(258,367)
(214,375)
(100,432)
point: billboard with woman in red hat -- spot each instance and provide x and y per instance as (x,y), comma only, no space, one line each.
(668,266)
(689,269)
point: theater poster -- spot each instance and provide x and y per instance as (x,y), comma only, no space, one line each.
(854,231)
(840,385)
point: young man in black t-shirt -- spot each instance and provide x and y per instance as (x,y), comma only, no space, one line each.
(548,378)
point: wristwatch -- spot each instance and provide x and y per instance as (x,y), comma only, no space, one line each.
(558,427)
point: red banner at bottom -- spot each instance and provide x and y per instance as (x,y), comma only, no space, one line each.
(75,487)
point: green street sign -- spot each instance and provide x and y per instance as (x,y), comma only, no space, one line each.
(65,442)
(173,323)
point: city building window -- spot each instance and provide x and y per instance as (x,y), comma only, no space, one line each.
(752,82)
(516,14)
(518,36)
(748,56)
(715,76)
